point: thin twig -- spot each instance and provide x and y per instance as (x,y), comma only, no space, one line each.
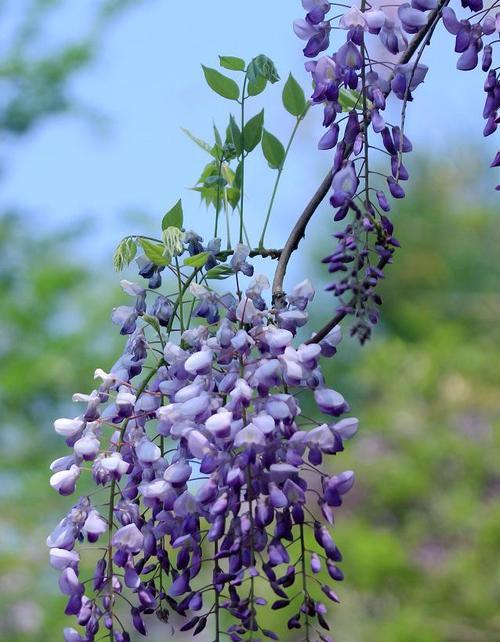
(296,235)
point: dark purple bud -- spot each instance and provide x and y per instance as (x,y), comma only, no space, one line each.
(190,624)
(280,604)
(331,594)
(404,146)
(399,171)
(180,585)
(352,128)
(196,602)
(74,604)
(387,141)
(99,572)
(334,571)
(329,140)
(318,43)
(217,529)
(382,201)
(137,621)
(491,81)
(490,126)
(487,57)
(395,188)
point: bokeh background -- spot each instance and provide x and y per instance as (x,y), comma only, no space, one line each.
(93,94)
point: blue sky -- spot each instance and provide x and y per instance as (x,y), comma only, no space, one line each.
(147,81)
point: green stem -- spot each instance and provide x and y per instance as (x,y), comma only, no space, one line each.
(252,579)
(217,605)
(365,118)
(245,231)
(181,292)
(150,375)
(217,204)
(228,230)
(280,171)
(242,187)
(304,582)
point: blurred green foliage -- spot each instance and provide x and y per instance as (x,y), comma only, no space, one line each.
(52,315)
(54,330)
(37,65)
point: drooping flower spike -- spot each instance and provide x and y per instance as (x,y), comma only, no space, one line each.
(357,78)
(209,465)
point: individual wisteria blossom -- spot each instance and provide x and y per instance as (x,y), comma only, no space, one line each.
(353,82)
(204,464)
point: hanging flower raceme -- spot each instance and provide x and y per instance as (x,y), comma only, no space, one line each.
(209,466)
(473,35)
(352,84)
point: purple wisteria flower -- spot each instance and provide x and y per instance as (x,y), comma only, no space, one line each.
(209,466)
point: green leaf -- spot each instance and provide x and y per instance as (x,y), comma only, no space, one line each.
(124,253)
(233,135)
(217,152)
(219,272)
(252,132)
(154,252)
(198,260)
(237,176)
(152,321)
(208,195)
(174,217)
(233,196)
(218,139)
(264,67)
(200,142)
(222,85)
(233,63)
(257,86)
(349,99)
(294,99)
(274,152)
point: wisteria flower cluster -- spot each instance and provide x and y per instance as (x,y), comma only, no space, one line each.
(203,458)
(362,69)
(208,461)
